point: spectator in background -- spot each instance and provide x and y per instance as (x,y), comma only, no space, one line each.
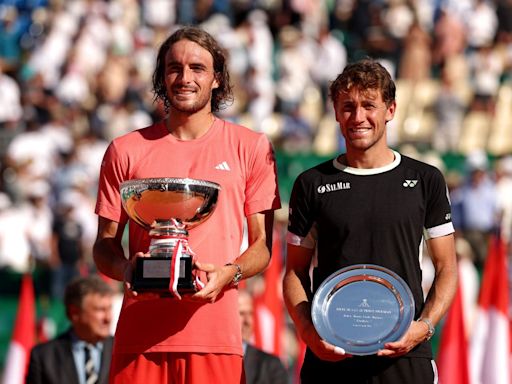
(69,172)
(29,156)
(73,87)
(261,43)
(481,24)
(260,367)
(476,202)
(10,101)
(67,245)
(379,43)
(296,132)
(503,172)
(83,213)
(260,86)
(10,35)
(449,110)
(90,149)
(504,15)
(50,56)
(83,351)
(454,182)
(398,17)
(14,238)
(159,13)
(38,102)
(293,67)
(486,68)
(40,217)
(328,58)
(416,58)
(449,37)
(261,95)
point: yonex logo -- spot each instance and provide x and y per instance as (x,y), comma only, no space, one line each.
(223,166)
(410,183)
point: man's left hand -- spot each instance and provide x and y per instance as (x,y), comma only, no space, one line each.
(217,278)
(415,335)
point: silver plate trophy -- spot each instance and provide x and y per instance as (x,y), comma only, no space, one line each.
(362,307)
(167,208)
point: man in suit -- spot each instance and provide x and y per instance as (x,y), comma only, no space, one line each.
(260,367)
(81,355)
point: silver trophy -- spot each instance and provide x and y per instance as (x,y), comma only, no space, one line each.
(362,307)
(167,208)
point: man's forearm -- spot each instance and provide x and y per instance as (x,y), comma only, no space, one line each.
(254,260)
(110,259)
(441,294)
(297,302)
(257,255)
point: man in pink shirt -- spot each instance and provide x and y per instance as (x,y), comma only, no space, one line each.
(196,339)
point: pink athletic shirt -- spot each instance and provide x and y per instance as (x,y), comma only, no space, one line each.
(242,162)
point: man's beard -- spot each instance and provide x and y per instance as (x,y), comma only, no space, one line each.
(189,107)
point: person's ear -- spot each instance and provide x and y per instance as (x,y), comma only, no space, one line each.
(73,312)
(390,112)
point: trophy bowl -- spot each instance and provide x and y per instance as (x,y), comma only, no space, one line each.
(167,208)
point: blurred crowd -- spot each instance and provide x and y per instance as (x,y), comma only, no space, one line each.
(75,74)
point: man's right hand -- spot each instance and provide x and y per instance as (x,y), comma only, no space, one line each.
(321,348)
(127,281)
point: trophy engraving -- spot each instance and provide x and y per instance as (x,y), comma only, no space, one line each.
(167,208)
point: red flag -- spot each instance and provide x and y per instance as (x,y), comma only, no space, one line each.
(453,346)
(490,343)
(23,337)
(269,326)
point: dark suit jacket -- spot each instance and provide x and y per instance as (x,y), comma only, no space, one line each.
(52,362)
(263,368)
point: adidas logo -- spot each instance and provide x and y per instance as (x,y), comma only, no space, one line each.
(410,183)
(223,166)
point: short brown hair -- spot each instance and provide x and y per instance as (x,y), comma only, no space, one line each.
(221,95)
(80,287)
(363,75)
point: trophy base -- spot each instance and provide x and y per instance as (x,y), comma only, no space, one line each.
(152,274)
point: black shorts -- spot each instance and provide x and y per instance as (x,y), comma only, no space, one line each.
(369,370)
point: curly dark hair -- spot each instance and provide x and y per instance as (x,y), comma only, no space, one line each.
(364,75)
(221,95)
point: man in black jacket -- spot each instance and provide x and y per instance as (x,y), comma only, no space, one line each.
(260,367)
(81,355)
